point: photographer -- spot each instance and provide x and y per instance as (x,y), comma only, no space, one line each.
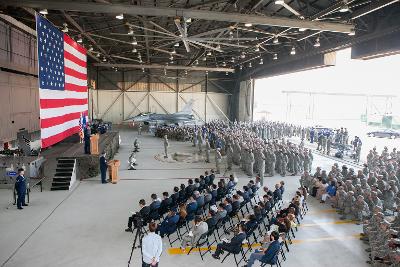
(142,214)
(151,247)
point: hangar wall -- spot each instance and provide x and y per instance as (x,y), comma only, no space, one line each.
(246,100)
(120,95)
(19,99)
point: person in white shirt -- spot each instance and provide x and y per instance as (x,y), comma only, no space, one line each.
(151,247)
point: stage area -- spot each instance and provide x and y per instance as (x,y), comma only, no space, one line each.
(85,227)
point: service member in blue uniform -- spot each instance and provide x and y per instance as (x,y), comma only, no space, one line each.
(103,167)
(86,139)
(20,187)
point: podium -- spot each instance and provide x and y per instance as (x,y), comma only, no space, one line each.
(113,166)
(94,144)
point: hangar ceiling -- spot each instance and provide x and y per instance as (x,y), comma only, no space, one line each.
(204,35)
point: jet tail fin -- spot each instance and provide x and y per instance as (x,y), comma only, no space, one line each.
(187,109)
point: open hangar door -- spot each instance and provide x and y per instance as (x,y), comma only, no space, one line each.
(120,95)
(377,36)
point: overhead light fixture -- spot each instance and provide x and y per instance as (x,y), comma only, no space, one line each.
(352,32)
(130,32)
(134,50)
(104,59)
(98,54)
(204,58)
(250,65)
(257,49)
(279,2)
(173,51)
(134,41)
(140,61)
(218,46)
(224,64)
(302,29)
(44,11)
(176,45)
(142,69)
(186,72)
(233,60)
(116,69)
(240,67)
(248,24)
(276,40)
(188,20)
(171,58)
(345,7)
(209,53)
(226,73)
(317,43)
(65,27)
(275,57)
(79,40)
(90,48)
(261,61)
(243,55)
(293,51)
(196,62)
(119,16)
(165,72)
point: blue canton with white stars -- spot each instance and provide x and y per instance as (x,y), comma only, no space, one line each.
(50,55)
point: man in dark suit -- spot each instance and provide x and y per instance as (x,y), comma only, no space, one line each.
(211,220)
(143,213)
(154,207)
(277,193)
(207,179)
(168,226)
(20,187)
(103,167)
(165,203)
(190,188)
(191,208)
(268,255)
(212,177)
(235,203)
(234,245)
(86,139)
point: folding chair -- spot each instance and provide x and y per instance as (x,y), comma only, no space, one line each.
(203,240)
(276,261)
(174,240)
(235,253)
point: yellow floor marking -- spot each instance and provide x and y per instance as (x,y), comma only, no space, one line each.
(176,251)
(326,223)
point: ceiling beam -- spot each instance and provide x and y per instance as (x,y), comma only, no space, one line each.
(158,66)
(89,7)
(372,8)
(79,28)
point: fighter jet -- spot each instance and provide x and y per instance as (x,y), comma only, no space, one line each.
(183,117)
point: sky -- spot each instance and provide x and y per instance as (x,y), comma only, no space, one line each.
(374,76)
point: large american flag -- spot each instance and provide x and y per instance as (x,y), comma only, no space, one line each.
(62,83)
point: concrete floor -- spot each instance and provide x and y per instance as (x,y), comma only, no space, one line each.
(85,226)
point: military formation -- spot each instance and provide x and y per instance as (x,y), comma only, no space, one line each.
(369,196)
(178,133)
(259,148)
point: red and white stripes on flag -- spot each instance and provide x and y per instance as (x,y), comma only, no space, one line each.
(62,83)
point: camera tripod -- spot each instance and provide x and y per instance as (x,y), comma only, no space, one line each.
(138,235)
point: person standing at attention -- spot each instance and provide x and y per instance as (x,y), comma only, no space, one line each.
(151,247)
(103,167)
(20,187)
